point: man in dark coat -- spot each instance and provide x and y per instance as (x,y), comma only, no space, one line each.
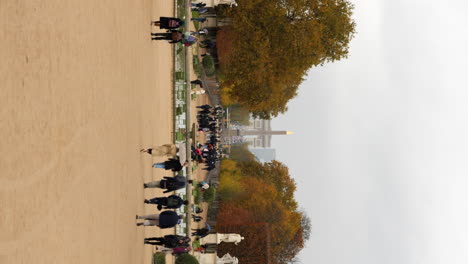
(171,164)
(201,232)
(166,219)
(168,22)
(173,35)
(171,202)
(169,183)
(169,241)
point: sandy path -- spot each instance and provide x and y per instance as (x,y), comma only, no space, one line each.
(82,90)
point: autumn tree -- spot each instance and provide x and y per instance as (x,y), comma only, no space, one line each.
(274,42)
(267,194)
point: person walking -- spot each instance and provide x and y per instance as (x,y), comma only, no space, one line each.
(170,202)
(164,150)
(170,183)
(174,36)
(199,19)
(171,164)
(199,5)
(181,250)
(201,32)
(166,219)
(201,232)
(200,10)
(196,218)
(204,107)
(169,241)
(168,23)
(197,82)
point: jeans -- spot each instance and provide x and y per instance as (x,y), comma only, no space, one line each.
(159,165)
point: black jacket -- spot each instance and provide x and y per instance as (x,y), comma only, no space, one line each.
(173,202)
(173,183)
(168,219)
(172,241)
(173,164)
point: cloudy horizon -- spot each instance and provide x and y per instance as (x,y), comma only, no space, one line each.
(380,140)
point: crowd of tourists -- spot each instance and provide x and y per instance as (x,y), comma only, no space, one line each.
(210,123)
(209,119)
(206,153)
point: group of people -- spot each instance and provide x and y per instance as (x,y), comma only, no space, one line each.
(168,218)
(209,119)
(172,243)
(172,34)
(165,219)
(207,154)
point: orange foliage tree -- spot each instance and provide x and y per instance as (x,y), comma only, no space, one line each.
(267,197)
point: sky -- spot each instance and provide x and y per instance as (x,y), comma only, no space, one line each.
(380,150)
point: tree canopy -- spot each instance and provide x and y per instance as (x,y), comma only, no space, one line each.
(253,193)
(274,42)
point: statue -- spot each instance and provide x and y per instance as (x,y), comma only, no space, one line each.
(227,259)
(229,238)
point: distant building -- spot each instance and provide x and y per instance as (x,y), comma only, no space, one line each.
(264,154)
(258,133)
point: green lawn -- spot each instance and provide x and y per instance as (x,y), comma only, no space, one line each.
(196,23)
(180,136)
(196,193)
(181,9)
(196,65)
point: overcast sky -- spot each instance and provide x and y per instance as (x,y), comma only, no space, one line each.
(380,150)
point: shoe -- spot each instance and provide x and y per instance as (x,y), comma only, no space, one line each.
(144,185)
(136,217)
(159,207)
(146,201)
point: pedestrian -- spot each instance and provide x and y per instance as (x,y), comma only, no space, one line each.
(166,219)
(168,23)
(164,150)
(170,202)
(200,5)
(169,183)
(189,39)
(203,185)
(169,241)
(174,36)
(200,10)
(171,164)
(199,19)
(180,250)
(197,82)
(197,218)
(197,209)
(198,91)
(204,107)
(201,232)
(199,32)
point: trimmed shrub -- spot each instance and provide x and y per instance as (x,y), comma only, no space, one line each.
(186,259)
(159,258)
(209,195)
(209,65)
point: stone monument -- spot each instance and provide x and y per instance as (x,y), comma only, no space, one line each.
(227,259)
(229,238)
